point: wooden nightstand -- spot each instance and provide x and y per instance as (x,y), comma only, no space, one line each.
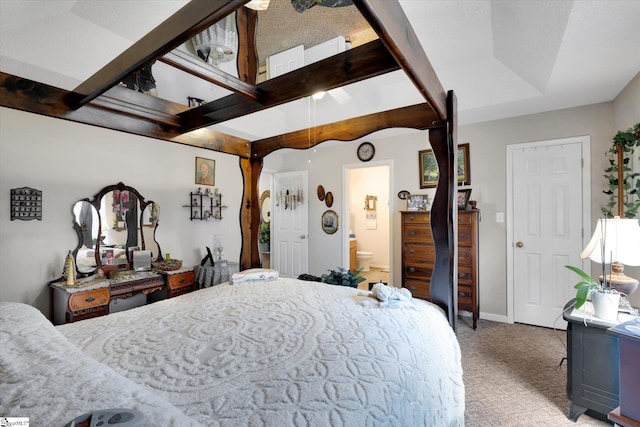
(179,282)
(593,360)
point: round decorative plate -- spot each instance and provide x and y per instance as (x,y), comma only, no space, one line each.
(320,192)
(328,200)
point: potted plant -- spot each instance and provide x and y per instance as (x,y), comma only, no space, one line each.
(605,300)
(265,237)
(342,277)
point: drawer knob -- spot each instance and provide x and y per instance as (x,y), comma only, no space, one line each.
(461,274)
(412,270)
(412,233)
(89,299)
(412,288)
(412,218)
(412,251)
(182,280)
(462,294)
(463,234)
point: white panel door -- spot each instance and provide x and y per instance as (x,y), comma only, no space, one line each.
(283,62)
(547,230)
(289,224)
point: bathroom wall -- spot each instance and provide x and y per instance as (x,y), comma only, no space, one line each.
(372,236)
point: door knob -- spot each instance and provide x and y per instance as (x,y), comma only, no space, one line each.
(303,236)
(519,244)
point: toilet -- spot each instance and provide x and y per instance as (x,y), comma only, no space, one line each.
(363,259)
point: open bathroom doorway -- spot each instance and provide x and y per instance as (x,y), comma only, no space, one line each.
(367,229)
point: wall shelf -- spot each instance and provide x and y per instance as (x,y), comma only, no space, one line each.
(205,206)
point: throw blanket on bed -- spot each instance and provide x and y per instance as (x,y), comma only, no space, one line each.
(46,378)
(254,275)
(285,353)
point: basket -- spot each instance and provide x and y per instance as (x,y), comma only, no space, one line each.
(171,265)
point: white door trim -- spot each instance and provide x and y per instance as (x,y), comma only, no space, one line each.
(345,207)
(586,202)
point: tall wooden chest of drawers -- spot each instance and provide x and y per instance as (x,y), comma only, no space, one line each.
(418,257)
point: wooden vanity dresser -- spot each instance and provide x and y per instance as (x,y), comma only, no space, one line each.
(93,298)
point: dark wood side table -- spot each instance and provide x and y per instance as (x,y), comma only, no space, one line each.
(592,366)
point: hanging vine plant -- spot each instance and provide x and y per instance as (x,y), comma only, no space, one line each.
(628,140)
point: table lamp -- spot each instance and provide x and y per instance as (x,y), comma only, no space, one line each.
(615,241)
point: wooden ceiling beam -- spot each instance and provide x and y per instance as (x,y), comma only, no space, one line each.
(419,116)
(194,17)
(360,63)
(119,109)
(392,26)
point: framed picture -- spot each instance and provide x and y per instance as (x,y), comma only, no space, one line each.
(205,171)
(464,170)
(428,169)
(463,198)
(429,172)
(417,202)
(330,221)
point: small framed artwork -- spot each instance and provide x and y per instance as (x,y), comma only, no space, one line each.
(417,202)
(429,172)
(205,171)
(330,221)
(321,193)
(463,198)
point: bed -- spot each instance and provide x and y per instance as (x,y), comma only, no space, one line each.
(48,379)
(282,353)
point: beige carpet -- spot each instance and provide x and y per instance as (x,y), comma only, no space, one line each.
(512,378)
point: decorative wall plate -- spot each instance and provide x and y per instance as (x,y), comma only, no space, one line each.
(320,192)
(330,222)
(328,200)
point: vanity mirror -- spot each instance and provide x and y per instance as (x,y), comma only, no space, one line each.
(115,222)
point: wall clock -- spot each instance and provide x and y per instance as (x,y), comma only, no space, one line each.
(366,151)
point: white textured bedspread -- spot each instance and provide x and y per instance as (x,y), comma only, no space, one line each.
(49,380)
(286,353)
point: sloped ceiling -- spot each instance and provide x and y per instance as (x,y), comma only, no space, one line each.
(503,58)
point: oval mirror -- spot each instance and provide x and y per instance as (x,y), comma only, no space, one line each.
(265,206)
(149,221)
(87,224)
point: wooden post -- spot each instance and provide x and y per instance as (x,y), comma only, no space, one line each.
(620,150)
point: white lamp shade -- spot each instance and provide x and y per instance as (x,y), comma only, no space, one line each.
(258,4)
(620,238)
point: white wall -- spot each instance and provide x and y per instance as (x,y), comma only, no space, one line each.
(70,161)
